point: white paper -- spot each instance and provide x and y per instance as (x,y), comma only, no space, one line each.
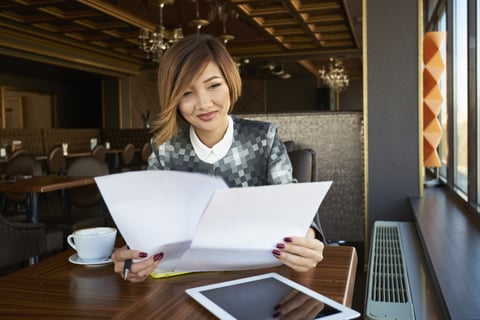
(202,225)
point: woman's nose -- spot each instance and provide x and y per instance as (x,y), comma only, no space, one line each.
(203,99)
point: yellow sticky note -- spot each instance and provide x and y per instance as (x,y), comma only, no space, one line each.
(166,274)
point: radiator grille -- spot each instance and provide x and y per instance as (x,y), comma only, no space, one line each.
(389,283)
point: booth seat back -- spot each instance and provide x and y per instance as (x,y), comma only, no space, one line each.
(32,140)
(78,139)
(337,138)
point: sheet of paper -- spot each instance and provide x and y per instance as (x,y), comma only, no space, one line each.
(158,211)
(202,225)
(241,226)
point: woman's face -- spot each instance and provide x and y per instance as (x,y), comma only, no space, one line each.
(205,105)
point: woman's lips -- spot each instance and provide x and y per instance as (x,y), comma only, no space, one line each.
(207,116)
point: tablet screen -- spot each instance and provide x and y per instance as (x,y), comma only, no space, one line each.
(266,297)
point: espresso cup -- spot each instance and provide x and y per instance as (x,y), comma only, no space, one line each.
(93,244)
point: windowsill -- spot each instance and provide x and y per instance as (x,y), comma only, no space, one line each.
(451,241)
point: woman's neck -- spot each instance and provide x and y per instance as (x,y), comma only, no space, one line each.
(211,138)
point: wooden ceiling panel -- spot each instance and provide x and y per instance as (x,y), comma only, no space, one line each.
(283,31)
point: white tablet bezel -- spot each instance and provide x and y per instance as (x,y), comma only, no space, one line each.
(197,294)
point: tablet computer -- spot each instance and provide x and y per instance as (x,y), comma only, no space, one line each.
(267,296)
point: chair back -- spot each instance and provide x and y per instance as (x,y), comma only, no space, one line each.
(85,196)
(100,152)
(290,145)
(23,164)
(144,154)
(56,161)
(304,164)
(18,152)
(20,241)
(128,154)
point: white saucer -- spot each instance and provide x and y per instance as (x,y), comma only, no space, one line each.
(74,258)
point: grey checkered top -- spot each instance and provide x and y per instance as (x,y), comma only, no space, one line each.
(256,157)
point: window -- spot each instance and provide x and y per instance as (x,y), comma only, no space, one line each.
(459,150)
(460,95)
(443,147)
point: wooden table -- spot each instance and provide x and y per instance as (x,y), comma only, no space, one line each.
(39,184)
(57,289)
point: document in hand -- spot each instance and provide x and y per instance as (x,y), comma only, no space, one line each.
(202,225)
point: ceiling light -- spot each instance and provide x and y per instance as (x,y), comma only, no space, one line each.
(198,22)
(154,43)
(335,77)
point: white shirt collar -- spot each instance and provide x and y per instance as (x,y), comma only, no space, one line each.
(218,151)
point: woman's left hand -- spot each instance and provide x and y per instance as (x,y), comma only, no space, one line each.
(300,253)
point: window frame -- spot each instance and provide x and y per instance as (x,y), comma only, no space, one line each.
(446,7)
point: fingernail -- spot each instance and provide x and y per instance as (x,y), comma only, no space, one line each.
(158,256)
(280,246)
(277,314)
(276,252)
(287,239)
(142,255)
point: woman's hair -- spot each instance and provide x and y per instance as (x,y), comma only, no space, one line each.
(179,66)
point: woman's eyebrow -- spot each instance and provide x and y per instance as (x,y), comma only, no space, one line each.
(210,79)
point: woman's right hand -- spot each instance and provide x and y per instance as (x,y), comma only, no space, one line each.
(140,270)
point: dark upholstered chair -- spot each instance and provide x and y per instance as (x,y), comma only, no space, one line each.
(56,161)
(100,152)
(86,196)
(86,199)
(21,165)
(55,167)
(18,152)
(144,154)
(304,164)
(127,155)
(290,145)
(20,241)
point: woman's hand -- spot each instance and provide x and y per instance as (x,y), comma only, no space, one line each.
(139,271)
(300,253)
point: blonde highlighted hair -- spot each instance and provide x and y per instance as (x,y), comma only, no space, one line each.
(179,66)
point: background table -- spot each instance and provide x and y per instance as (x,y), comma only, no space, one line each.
(57,289)
(39,184)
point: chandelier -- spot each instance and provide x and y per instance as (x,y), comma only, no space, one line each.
(155,43)
(335,77)
(198,22)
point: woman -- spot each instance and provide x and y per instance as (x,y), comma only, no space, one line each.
(199,84)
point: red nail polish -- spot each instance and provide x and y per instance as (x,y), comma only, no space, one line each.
(287,239)
(158,256)
(142,255)
(276,252)
(280,246)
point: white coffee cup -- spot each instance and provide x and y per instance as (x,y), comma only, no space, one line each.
(93,244)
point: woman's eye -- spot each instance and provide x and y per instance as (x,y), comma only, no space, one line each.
(187,93)
(215,85)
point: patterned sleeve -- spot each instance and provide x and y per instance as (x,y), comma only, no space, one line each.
(279,165)
(154,162)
